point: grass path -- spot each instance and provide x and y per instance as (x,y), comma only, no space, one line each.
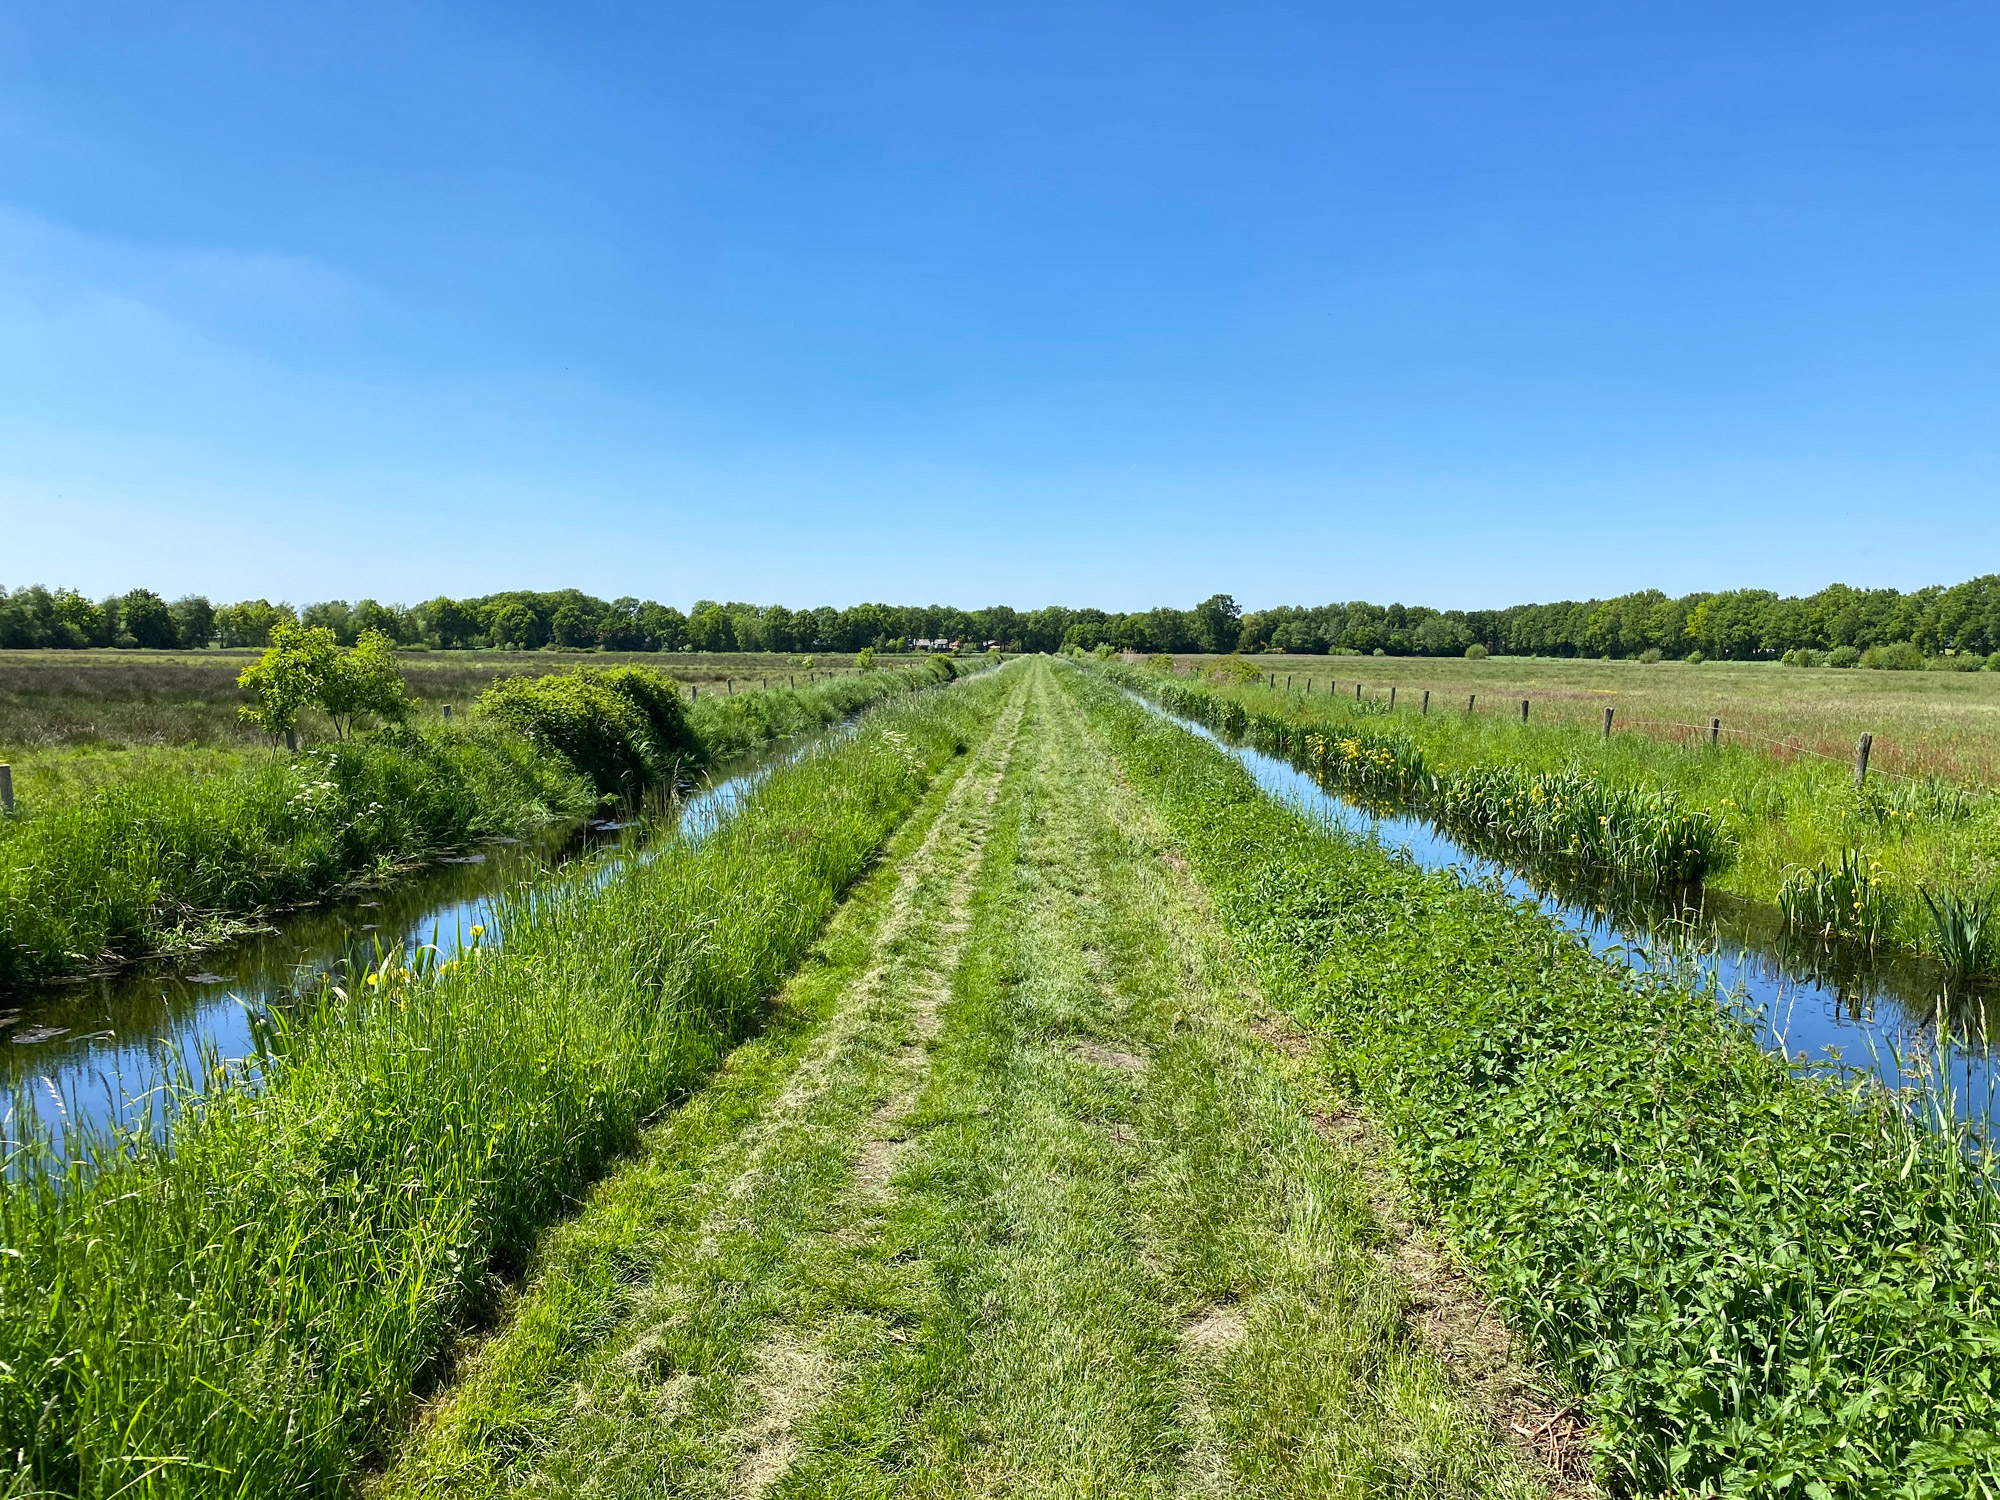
(1010,1197)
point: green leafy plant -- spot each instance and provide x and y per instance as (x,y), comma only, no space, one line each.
(1962,925)
(287,678)
(1843,657)
(1475,652)
(865,658)
(363,683)
(1843,899)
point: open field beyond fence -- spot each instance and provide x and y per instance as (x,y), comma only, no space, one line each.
(1944,724)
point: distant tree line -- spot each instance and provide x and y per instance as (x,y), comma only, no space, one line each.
(1743,624)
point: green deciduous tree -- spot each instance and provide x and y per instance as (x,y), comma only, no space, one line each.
(306,668)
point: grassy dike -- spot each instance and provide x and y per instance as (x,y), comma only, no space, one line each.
(1772,830)
(1011,1200)
(248,1310)
(1764,1284)
(181,851)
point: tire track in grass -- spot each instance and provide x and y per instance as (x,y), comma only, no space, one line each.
(921,952)
(1123,1260)
(644,1361)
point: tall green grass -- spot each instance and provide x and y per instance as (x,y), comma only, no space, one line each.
(247,1309)
(164,861)
(1766,1283)
(1574,812)
(159,861)
(1789,833)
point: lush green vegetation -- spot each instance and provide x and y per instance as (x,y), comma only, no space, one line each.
(1083,1149)
(1009,1200)
(164,861)
(1765,1283)
(173,852)
(248,1306)
(1573,813)
(1795,834)
(1961,623)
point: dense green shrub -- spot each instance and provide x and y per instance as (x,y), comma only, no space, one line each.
(669,739)
(1899,656)
(1651,656)
(594,727)
(1763,1283)
(1843,656)
(1475,652)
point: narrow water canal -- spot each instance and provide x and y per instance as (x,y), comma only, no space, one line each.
(87,1053)
(1812,1000)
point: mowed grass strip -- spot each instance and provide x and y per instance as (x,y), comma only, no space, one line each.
(1119,1260)
(250,1310)
(1050,1221)
(1764,1283)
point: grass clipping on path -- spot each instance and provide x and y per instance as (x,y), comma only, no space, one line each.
(249,1312)
(1766,1284)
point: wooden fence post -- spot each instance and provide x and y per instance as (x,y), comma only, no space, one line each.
(694,691)
(1392,695)
(1861,759)
(1524,710)
(1469,697)
(447,710)
(1425,710)
(1714,733)
(1357,692)
(6,787)
(1607,723)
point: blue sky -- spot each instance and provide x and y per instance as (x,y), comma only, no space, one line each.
(1072,303)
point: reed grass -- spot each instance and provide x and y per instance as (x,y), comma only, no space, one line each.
(1765,1281)
(161,861)
(247,1307)
(1571,813)
(1795,834)
(183,847)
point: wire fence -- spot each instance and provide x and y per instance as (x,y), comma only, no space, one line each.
(1714,730)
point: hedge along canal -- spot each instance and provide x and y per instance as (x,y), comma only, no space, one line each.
(1807,998)
(91,1054)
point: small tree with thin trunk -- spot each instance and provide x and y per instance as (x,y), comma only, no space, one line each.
(305,668)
